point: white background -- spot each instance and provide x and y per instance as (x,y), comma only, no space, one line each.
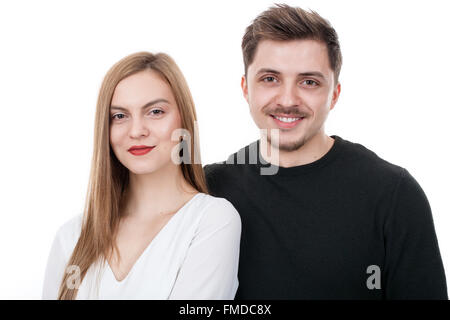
(54,54)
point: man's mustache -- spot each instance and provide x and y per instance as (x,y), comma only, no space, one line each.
(291,111)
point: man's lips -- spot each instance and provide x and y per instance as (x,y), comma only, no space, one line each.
(285,121)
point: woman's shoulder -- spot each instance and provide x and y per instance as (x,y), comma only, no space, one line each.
(218,211)
(69,232)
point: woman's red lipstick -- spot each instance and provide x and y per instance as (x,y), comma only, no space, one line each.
(140,150)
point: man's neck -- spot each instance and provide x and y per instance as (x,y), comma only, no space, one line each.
(314,149)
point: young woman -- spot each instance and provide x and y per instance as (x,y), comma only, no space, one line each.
(149,228)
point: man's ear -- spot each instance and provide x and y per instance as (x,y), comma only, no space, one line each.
(244,87)
(336,93)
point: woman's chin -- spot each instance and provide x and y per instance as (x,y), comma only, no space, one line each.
(141,170)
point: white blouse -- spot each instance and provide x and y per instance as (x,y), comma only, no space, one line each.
(194,256)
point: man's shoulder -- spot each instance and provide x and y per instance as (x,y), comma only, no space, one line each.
(233,162)
(365,159)
(226,177)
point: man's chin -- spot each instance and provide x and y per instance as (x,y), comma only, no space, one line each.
(288,146)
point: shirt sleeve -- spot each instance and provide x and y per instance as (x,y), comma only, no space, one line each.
(54,270)
(210,268)
(62,247)
(413,265)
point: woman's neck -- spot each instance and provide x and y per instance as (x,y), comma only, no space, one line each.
(158,193)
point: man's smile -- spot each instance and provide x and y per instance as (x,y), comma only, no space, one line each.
(286,122)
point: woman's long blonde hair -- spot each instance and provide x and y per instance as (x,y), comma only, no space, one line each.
(109,178)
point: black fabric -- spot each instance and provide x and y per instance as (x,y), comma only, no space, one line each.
(312,231)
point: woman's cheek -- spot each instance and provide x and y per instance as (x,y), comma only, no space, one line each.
(171,123)
(115,138)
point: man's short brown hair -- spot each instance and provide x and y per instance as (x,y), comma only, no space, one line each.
(284,23)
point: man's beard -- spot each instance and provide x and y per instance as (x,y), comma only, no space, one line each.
(289,146)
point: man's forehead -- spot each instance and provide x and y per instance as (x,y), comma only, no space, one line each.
(295,56)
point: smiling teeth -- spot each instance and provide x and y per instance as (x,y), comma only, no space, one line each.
(283,119)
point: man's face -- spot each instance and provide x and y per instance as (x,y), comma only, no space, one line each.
(290,87)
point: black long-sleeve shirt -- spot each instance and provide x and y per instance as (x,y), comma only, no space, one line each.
(347,226)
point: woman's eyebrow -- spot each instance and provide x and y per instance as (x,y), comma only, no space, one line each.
(148,104)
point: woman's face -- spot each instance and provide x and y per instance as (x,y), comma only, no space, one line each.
(143,113)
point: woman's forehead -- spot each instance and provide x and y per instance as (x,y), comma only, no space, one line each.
(140,88)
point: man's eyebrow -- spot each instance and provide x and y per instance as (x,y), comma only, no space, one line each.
(267,70)
(312,74)
(148,104)
(301,74)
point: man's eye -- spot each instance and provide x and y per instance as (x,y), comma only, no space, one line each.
(269,79)
(311,83)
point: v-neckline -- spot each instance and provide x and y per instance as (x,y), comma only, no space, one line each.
(150,243)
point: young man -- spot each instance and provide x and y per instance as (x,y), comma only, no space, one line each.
(328,219)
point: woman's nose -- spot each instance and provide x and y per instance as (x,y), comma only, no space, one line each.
(138,129)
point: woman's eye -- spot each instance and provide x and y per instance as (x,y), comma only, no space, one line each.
(156,112)
(118,116)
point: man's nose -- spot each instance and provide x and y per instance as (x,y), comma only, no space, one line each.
(138,128)
(288,95)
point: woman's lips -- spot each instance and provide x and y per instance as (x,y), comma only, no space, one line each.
(140,151)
